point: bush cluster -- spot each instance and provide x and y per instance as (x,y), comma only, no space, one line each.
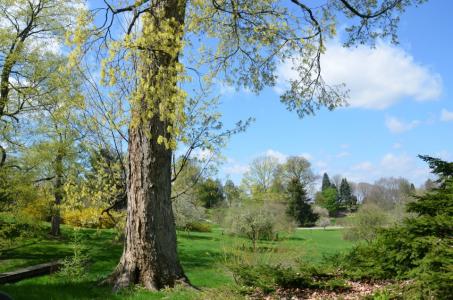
(15,228)
(198,227)
(269,277)
(420,249)
(90,218)
(258,221)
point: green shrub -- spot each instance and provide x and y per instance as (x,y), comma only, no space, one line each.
(39,208)
(14,229)
(420,249)
(199,227)
(368,220)
(257,221)
(187,212)
(269,278)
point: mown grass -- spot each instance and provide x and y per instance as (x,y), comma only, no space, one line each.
(203,256)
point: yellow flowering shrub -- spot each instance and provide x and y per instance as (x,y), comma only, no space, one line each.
(90,218)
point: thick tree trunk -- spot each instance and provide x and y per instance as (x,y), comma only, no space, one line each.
(150,255)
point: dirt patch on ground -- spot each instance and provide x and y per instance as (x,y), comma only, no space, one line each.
(356,290)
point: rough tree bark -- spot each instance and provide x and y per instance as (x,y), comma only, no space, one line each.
(150,255)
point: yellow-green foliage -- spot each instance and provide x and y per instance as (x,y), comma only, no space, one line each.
(15,227)
(99,188)
(199,227)
(40,208)
(86,198)
(22,198)
(90,218)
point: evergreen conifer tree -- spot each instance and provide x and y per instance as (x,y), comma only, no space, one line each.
(325,182)
(346,199)
(421,248)
(298,206)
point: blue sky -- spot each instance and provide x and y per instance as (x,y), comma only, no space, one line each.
(400,106)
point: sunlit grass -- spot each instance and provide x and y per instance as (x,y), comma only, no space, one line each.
(203,257)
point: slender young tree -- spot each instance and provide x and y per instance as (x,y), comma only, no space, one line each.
(242,42)
(232,192)
(56,134)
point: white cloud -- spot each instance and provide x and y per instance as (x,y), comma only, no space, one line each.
(225,88)
(397,146)
(281,157)
(343,154)
(236,168)
(396,162)
(446,116)
(278,155)
(404,166)
(388,165)
(396,125)
(376,77)
(363,166)
(321,164)
(228,90)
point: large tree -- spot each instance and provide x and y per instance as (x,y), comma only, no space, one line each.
(298,168)
(240,42)
(31,33)
(262,174)
(210,193)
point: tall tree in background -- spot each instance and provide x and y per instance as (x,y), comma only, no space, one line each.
(242,43)
(262,173)
(210,193)
(296,167)
(347,199)
(329,199)
(390,192)
(298,206)
(54,132)
(232,192)
(325,182)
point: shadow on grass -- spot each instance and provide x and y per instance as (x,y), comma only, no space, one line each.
(195,236)
(295,238)
(17,247)
(55,290)
(42,256)
(194,258)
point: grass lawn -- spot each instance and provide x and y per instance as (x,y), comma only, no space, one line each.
(203,256)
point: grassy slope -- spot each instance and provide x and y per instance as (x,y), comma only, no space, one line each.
(202,255)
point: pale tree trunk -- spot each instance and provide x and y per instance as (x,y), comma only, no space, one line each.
(58,194)
(150,255)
